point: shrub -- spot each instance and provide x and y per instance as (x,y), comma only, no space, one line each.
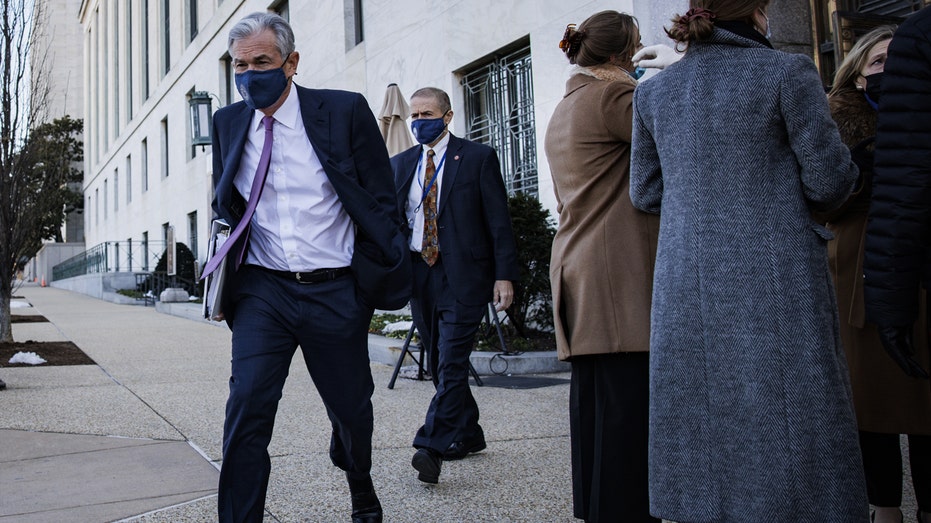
(184,262)
(534,231)
(184,274)
(131,293)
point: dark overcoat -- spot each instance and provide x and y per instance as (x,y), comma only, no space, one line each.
(898,245)
(751,417)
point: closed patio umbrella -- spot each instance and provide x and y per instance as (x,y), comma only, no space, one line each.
(392,120)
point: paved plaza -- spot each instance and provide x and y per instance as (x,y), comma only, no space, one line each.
(137,437)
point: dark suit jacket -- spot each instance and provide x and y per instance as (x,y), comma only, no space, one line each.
(344,134)
(476,240)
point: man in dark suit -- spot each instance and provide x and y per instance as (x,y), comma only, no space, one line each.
(464,256)
(302,177)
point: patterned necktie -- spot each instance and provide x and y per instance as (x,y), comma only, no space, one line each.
(258,184)
(430,248)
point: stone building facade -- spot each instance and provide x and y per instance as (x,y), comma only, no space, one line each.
(143,59)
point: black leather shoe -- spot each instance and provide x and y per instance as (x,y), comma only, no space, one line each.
(461,449)
(365,505)
(428,463)
(366,508)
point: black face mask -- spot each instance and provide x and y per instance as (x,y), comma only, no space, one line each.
(873,88)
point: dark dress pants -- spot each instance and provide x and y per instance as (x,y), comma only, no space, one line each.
(447,329)
(882,463)
(274,316)
(608,419)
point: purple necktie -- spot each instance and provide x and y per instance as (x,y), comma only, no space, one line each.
(258,183)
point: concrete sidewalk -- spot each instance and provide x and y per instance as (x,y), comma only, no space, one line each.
(137,436)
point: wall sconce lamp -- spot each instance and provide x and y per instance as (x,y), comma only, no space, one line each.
(201,117)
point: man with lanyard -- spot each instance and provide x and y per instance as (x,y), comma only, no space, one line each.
(464,257)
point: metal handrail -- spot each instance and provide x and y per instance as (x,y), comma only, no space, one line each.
(126,256)
(151,284)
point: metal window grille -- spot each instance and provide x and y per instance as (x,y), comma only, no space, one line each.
(192,231)
(499,112)
(889,7)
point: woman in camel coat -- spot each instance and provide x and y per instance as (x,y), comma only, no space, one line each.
(601,272)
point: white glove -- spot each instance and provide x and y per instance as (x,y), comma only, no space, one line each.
(657,56)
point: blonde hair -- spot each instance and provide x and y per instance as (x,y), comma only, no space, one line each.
(849,69)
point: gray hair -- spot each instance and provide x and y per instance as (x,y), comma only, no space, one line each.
(439,95)
(255,23)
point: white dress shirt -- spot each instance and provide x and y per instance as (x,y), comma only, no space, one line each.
(414,208)
(299,223)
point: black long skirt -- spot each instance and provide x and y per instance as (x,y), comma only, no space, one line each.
(608,417)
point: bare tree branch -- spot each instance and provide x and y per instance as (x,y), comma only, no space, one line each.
(31,188)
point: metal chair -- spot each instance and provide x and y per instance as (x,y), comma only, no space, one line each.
(405,350)
(420,359)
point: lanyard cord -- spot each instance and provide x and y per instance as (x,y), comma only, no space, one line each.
(425,191)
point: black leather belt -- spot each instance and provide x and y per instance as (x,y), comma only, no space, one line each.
(317,276)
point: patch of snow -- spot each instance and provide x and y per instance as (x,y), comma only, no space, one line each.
(30,358)
(397,326)
(19,304)
(412,372)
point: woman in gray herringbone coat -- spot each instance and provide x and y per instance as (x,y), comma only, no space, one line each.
(750,406)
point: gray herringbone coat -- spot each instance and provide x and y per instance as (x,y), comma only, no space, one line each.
(750,405)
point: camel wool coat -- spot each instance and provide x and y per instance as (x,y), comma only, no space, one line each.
(751,417)
(601,268)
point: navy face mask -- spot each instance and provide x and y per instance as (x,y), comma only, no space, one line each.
(873,89)
(428,130)
(261,89)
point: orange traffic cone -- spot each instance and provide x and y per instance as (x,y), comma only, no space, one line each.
(43,281)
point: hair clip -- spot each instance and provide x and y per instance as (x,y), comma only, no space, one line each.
(571,40)
(564,43)
(697,12)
